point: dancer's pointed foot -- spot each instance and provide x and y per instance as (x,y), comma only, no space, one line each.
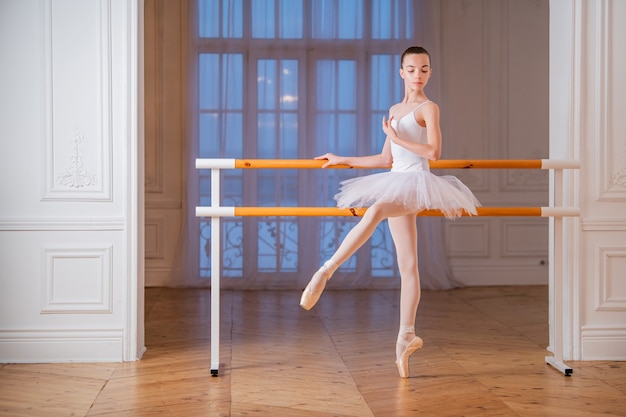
(315,287)
(409,348)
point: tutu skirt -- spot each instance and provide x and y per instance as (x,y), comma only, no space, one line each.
(415,190)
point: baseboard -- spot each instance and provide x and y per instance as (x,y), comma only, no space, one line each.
(603,343)
(485,275)
(46,346)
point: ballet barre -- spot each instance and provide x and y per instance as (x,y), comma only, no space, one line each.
(230,163)
(556,212)
(226,211)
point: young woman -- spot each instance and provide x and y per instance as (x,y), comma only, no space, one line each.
(413,138)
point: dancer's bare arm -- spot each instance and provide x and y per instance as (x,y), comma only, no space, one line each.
(383,159)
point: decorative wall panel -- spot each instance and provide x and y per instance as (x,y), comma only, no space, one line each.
(155,234)
(524,238)
(468,239)
(610,66)
(76,76)
(78,279)
(611,282)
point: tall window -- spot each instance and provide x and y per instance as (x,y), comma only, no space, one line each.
(294,79)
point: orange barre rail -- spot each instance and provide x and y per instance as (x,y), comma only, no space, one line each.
(225,163)
(335,211)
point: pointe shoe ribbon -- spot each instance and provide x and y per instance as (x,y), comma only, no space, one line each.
(403,361)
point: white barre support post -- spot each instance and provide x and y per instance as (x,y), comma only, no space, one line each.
(215,273)
(556,313)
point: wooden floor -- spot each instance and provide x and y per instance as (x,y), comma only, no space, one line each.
(483,356)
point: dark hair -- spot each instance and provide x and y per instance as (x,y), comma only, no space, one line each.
(413,50)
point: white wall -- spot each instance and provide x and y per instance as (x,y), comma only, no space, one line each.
(587,108)
(71,214)
(494,77)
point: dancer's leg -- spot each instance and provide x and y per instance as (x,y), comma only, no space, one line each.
(356,237)
(404,233)
(353,241)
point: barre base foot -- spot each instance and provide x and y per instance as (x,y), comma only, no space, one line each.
(214,372)
(565,370)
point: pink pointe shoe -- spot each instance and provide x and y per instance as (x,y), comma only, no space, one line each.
(309,297)
(409,348)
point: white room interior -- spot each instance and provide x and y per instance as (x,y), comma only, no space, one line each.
(95,159)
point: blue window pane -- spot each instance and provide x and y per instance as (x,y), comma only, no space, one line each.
(337,19)
(277,141)
(288,136)
(232,19)
(386,90)
(220,136)
(277,81)
(393,19)
(263,19)
(291,19)
(266,187)
(266,84)
(211,26)
(289,14)
(382,86)
(208,21)
(232,138)
(346,82)
(205,189)
(326,85)
(208,135)
(289,84)
(232,79)
(221,81)
(325,138)
(208,73)
(266,134)
(232,188)
(377,136)
(277,187)
(346,134)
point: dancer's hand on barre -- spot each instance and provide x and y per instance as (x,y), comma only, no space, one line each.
(332,159)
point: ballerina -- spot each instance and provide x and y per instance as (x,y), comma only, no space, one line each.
(413,137)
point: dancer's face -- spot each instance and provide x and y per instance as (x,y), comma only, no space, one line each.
(415,71)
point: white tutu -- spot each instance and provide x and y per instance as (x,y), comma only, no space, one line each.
(410,182)
(416,190)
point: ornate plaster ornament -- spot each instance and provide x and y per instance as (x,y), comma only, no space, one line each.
(76,175)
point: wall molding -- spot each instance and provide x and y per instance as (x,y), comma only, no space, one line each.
(78,279)
(612,173)
(607,343)
(63,224)
(78,133)
(512,229)
(477,231)
(503,274)
(604,224)
(45,346)
(609,275)
(155,237)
